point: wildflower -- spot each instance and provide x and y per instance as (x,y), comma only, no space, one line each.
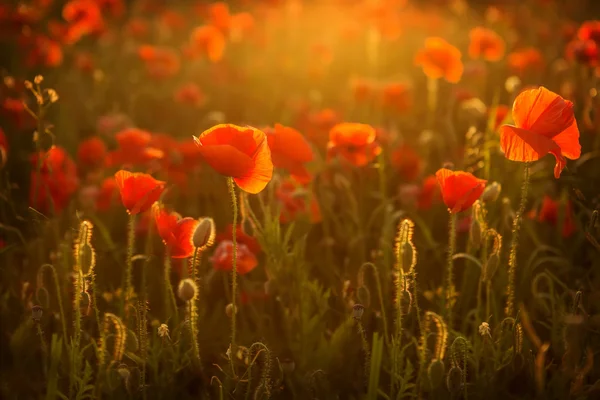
(107,194)
(208,40)
(190,94)
(222,258)
(486,44)
(428,193)
(544,123)
(138,191)
(84,17)
(241,237)
(294,202)
(176,232)
(439,59)
(395,96)
(354,142)
(133,148)
(484,329)
(407,162)
(91,153)
(459,189)
(290,151)
(53,187)
(160,62)
(163,331)
(549,212)
(238,152)
(524,60)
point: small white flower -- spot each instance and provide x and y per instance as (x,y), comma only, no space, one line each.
(484,329)
(163,331)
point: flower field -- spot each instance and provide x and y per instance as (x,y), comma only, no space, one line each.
(299,199)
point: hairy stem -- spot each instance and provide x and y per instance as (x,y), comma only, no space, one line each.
(127,277)
(450,290)
(231,186)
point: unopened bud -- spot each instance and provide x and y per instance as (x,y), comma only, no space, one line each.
(187,289)
(491,192)
(204,235)
(358,311)
(364,295)
(454,380)
(36,313)
(28,85)
(124,372)
(491,266)
(52,95)
(475,233)
(229,310)
(436,373)
(38,79)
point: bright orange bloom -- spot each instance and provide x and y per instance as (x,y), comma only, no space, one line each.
(294,203)
(362,89)
(218,14)
(222,258)
(396,96)
(290,151)
(134,148)
(549,213)
(175,232)
(209,41)
(428,194)
(354,142)
(161,62)
(238,152)
(407,162)
(190,94)
(459,189)
(439,59)
(544,123)
(241,237)
(84,18)
(138,191)
(486,44)
(521,61)
(91,153)
(241,24)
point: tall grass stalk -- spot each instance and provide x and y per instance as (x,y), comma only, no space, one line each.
(231,186)
(127,274)
(450,290)
(514,244)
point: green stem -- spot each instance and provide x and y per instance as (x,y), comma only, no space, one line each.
(38,172)
(40,333)
(143,325)
(127,277)
(170,300)
(231,186)
(512,259)
(432,99)
(450,267)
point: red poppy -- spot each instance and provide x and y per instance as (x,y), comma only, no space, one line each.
(52,188)
(396,97)
(362,89)
(354,142)
(486,44)
(91,153)
(210,41)
(161,62)
(294,203)
(524,60)
(84,17)
(501,112)
(407,162)
(428,194)
(175,232)
(138,191)
(238,152)
(290,151)
(439,59)
(544,123)
(318,125)
(190,94)
(549,212)
(241,237)
(589,30)
(107,195)
(222,258)
(459,189)
(134,148)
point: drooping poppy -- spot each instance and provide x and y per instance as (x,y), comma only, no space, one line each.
(439,59)
(549,212)
(294,203)
(138,191)
(290,151)
(459,189)
(407,162)
(241,238)
(238,152)
(91,153)
(486,44)
(176,232)
(544,123)
(222,258)
(354,142)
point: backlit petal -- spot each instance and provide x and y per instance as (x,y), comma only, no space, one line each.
(523,145)
(226,160)
(568,141)
(543,112)
(261,172)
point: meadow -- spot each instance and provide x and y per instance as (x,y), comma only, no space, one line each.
(299,199)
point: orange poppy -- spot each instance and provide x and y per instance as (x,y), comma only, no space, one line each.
(459,189)
(222,258)
(91,153)
(319,123)
(521,61)
(428,194)
(138,191)
(583,51)
(190,94)
(134,148)
(501,112)
(549,212)
(210,41)
(407,162)
(589,30)
(396,96)
(161,62)
(175,232)
(486,44)
(290,151)
(544,123)
(84,17)
(107,194)
(439,59)
(363,89)
(241,238)
(238,152)
(354,142)
(293,203)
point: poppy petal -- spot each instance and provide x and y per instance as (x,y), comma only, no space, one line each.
(524,145)
(226,160)
(292,144)
(543,112)
(568,141)
(183,246)
(300,174)
(259,175)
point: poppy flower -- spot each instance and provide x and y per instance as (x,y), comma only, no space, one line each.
(290,151)
(459,189)
(524,60)
(354,142)
(486,44)
(501,112)
(161,62)
(294,203)
(138,191)
(84,17)
(222,258)
(544,123)
(318,125)
(210,41)
(585,52)
(407,162)
(362,89)
(238,152)
(428,194)
(396,97)
(549,212)
(439,59)
(589,30)
(133,148)
(91,153)
(175,232)
(190,94)
(107,194)
(241,237)
(241,24)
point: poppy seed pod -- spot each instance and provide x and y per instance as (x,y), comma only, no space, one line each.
(204,235)
(36,313)
(436,373)
(358,311)
(491,192)
(187,290)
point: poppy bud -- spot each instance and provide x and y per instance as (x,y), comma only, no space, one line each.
(475,233)
(364,295)
(454,379)
(204,235)
(187,290)
(358,311)
(436,373)
(491,192)
(124,372)
(229,310)
(36,313)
